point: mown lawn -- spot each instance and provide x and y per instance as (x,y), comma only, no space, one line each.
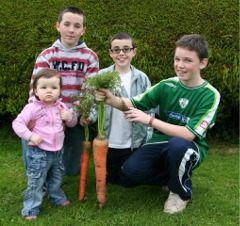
(215,199)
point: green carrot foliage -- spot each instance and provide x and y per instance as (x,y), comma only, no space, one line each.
(83,106)
(109,80)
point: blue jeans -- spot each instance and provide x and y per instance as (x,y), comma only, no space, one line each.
(24,151)
(166,163)
(72,150)
(42,167)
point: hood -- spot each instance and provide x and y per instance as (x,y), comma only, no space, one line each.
(58,44)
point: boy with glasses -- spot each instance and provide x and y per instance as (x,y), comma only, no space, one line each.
(123,137)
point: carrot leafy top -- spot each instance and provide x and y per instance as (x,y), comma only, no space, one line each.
(83,105)
(109,80)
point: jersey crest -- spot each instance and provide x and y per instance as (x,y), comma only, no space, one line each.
(183,102)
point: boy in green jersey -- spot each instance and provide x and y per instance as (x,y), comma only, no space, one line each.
(188,106)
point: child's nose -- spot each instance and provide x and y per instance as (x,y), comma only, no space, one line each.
(180,64)
(71,28)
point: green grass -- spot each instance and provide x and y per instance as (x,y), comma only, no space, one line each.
(215,196)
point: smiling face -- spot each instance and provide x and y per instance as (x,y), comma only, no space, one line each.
(48,89)
(187,66)
(71,29)
(122,60)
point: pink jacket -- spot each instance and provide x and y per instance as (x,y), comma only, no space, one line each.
(49,124)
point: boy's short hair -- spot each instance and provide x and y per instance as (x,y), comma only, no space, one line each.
(46,73)
(72,9)
(195,43)
(123,35)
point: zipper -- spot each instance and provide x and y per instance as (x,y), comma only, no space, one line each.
(53,128)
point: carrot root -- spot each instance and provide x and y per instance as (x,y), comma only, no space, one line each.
(86,147)
(100,149)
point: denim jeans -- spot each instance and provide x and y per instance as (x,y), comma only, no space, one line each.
(72,150)
(24,151)
(42,167)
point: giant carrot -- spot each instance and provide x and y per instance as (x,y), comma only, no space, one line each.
(111,81)
(100,149)
(84,106)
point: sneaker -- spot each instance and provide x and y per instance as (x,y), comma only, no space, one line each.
(174,204)
(30,217)
(65,203)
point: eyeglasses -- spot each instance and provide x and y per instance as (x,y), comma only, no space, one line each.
(125,50)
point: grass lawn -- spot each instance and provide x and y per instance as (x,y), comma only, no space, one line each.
(215,195)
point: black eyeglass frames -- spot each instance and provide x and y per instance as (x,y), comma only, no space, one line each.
(125,50)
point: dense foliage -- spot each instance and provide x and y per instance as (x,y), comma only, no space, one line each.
(27,27)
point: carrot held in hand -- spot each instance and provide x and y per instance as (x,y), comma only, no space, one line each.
(100,149)
(84,106)
(112,81)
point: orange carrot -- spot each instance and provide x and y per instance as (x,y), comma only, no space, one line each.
(112,81)
(100,149)
(86,147)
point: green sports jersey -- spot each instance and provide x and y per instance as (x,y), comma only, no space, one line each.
(193,107)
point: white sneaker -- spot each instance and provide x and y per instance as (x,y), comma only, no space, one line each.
(174,204)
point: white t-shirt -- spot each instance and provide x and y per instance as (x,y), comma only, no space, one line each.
(121,129)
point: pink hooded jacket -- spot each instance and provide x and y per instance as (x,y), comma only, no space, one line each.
(49,124)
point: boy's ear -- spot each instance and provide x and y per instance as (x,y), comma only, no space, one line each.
(57,26)
(110,53)
(204,63)
(84,30)
(134,51)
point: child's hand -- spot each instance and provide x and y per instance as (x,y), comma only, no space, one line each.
(35,139)
(135,115)
(65,115)
(84,121)
(31,125)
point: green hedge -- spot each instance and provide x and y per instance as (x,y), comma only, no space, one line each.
(28,27)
